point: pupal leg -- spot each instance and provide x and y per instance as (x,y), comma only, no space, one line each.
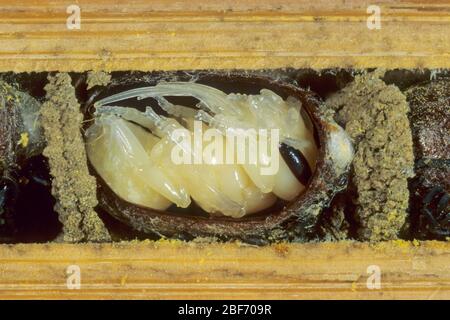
(210,98)
(125,149)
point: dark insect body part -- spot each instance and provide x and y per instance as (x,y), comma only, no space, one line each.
(26,208)
(430,188)
(9,192)
(296,162)
(435,211)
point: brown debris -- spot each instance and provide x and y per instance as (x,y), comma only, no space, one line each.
(430,119)
(334,225)
(430,123)
(72,186)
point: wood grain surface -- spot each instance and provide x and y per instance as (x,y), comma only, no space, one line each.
(200,34)
(177,270)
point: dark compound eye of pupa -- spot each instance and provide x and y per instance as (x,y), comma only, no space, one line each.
(296,162)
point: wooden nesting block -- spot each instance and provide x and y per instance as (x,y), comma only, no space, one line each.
(200,34)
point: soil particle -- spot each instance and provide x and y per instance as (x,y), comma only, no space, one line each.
(72,186)
(97,78)
(375,116)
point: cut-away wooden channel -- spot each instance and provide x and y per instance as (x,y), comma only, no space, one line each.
(199,34)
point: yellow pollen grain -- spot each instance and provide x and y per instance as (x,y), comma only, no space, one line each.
(24,139)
